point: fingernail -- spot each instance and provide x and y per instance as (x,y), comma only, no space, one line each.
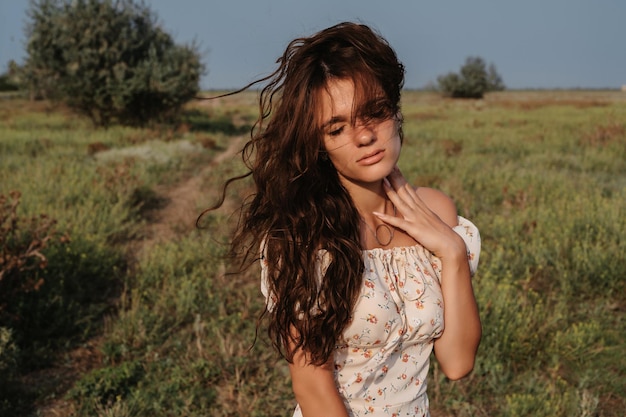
(386,182)
(375,213)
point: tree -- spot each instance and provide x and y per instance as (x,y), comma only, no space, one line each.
(472,81)
(494,80)
(109,60)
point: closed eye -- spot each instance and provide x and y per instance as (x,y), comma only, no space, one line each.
(335,132)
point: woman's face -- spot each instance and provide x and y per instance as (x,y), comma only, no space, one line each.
(363,148)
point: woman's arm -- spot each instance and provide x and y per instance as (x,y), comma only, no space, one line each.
(456,348)
(431,225)
(314,388)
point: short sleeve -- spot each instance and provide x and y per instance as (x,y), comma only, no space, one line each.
(270,300)
(470,235)
(321,264)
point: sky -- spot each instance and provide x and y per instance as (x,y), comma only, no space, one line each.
(533,43)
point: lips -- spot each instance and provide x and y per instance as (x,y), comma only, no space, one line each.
(372,157)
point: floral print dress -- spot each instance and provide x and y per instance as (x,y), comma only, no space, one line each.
(382,360)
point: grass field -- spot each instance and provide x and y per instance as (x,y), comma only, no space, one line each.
(136,313)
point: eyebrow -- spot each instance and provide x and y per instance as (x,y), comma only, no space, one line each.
(333,120)
(343,119)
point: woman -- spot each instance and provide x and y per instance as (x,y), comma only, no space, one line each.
(360,269)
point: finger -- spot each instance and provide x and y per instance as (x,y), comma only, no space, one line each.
(402,186)
(398,201)
(404,193)
(403,211)
(409,194)
(394,221)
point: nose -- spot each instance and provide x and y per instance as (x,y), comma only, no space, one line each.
(365,134)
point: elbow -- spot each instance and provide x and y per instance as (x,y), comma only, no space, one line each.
(458,372)
(459,367)
(458,363)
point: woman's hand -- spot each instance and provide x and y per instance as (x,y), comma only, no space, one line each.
(431,225)
(432,230)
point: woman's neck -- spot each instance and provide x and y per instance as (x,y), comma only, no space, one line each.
(368,198)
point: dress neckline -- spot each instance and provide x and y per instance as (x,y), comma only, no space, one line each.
(394,248)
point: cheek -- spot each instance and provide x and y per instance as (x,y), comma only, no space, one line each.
(338,159)
(396,142)
(338,149)
(391,129)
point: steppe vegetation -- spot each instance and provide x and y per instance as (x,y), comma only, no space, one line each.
(132,311)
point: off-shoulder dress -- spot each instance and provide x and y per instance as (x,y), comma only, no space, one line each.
(383,356)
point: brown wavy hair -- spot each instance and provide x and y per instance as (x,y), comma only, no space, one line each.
(300,206)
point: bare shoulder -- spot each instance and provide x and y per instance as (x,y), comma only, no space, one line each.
(442,205)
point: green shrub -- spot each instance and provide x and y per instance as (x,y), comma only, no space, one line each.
(199,120)
(21,245)
(6,84)
(78,283)
(108,385)
(44,275)
(9,357)
(8,353)
(473,80)
(109,60)
(13,399)
(12,80)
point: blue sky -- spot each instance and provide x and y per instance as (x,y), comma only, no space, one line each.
(533,43)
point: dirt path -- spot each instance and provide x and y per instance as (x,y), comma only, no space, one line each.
(181,209)
(176,216)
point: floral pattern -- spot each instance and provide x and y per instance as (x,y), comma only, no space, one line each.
(382,360)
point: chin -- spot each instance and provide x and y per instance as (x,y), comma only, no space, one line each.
(375,176)
(385,170)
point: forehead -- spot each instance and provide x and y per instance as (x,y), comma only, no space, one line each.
(342,99)
(337,99)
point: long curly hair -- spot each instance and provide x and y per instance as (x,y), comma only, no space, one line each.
(300,207)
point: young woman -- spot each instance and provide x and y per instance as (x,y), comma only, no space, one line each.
(360,270)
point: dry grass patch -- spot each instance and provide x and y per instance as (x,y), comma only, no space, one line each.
(603,135)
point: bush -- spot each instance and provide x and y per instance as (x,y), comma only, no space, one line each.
(8,353)
(21,245)
(108,60)
(473,81)
(108,385)
(22,242)
(11,80)
(80,282)
(6,84)
(52,289)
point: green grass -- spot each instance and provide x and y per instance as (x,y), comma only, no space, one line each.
(542,174)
